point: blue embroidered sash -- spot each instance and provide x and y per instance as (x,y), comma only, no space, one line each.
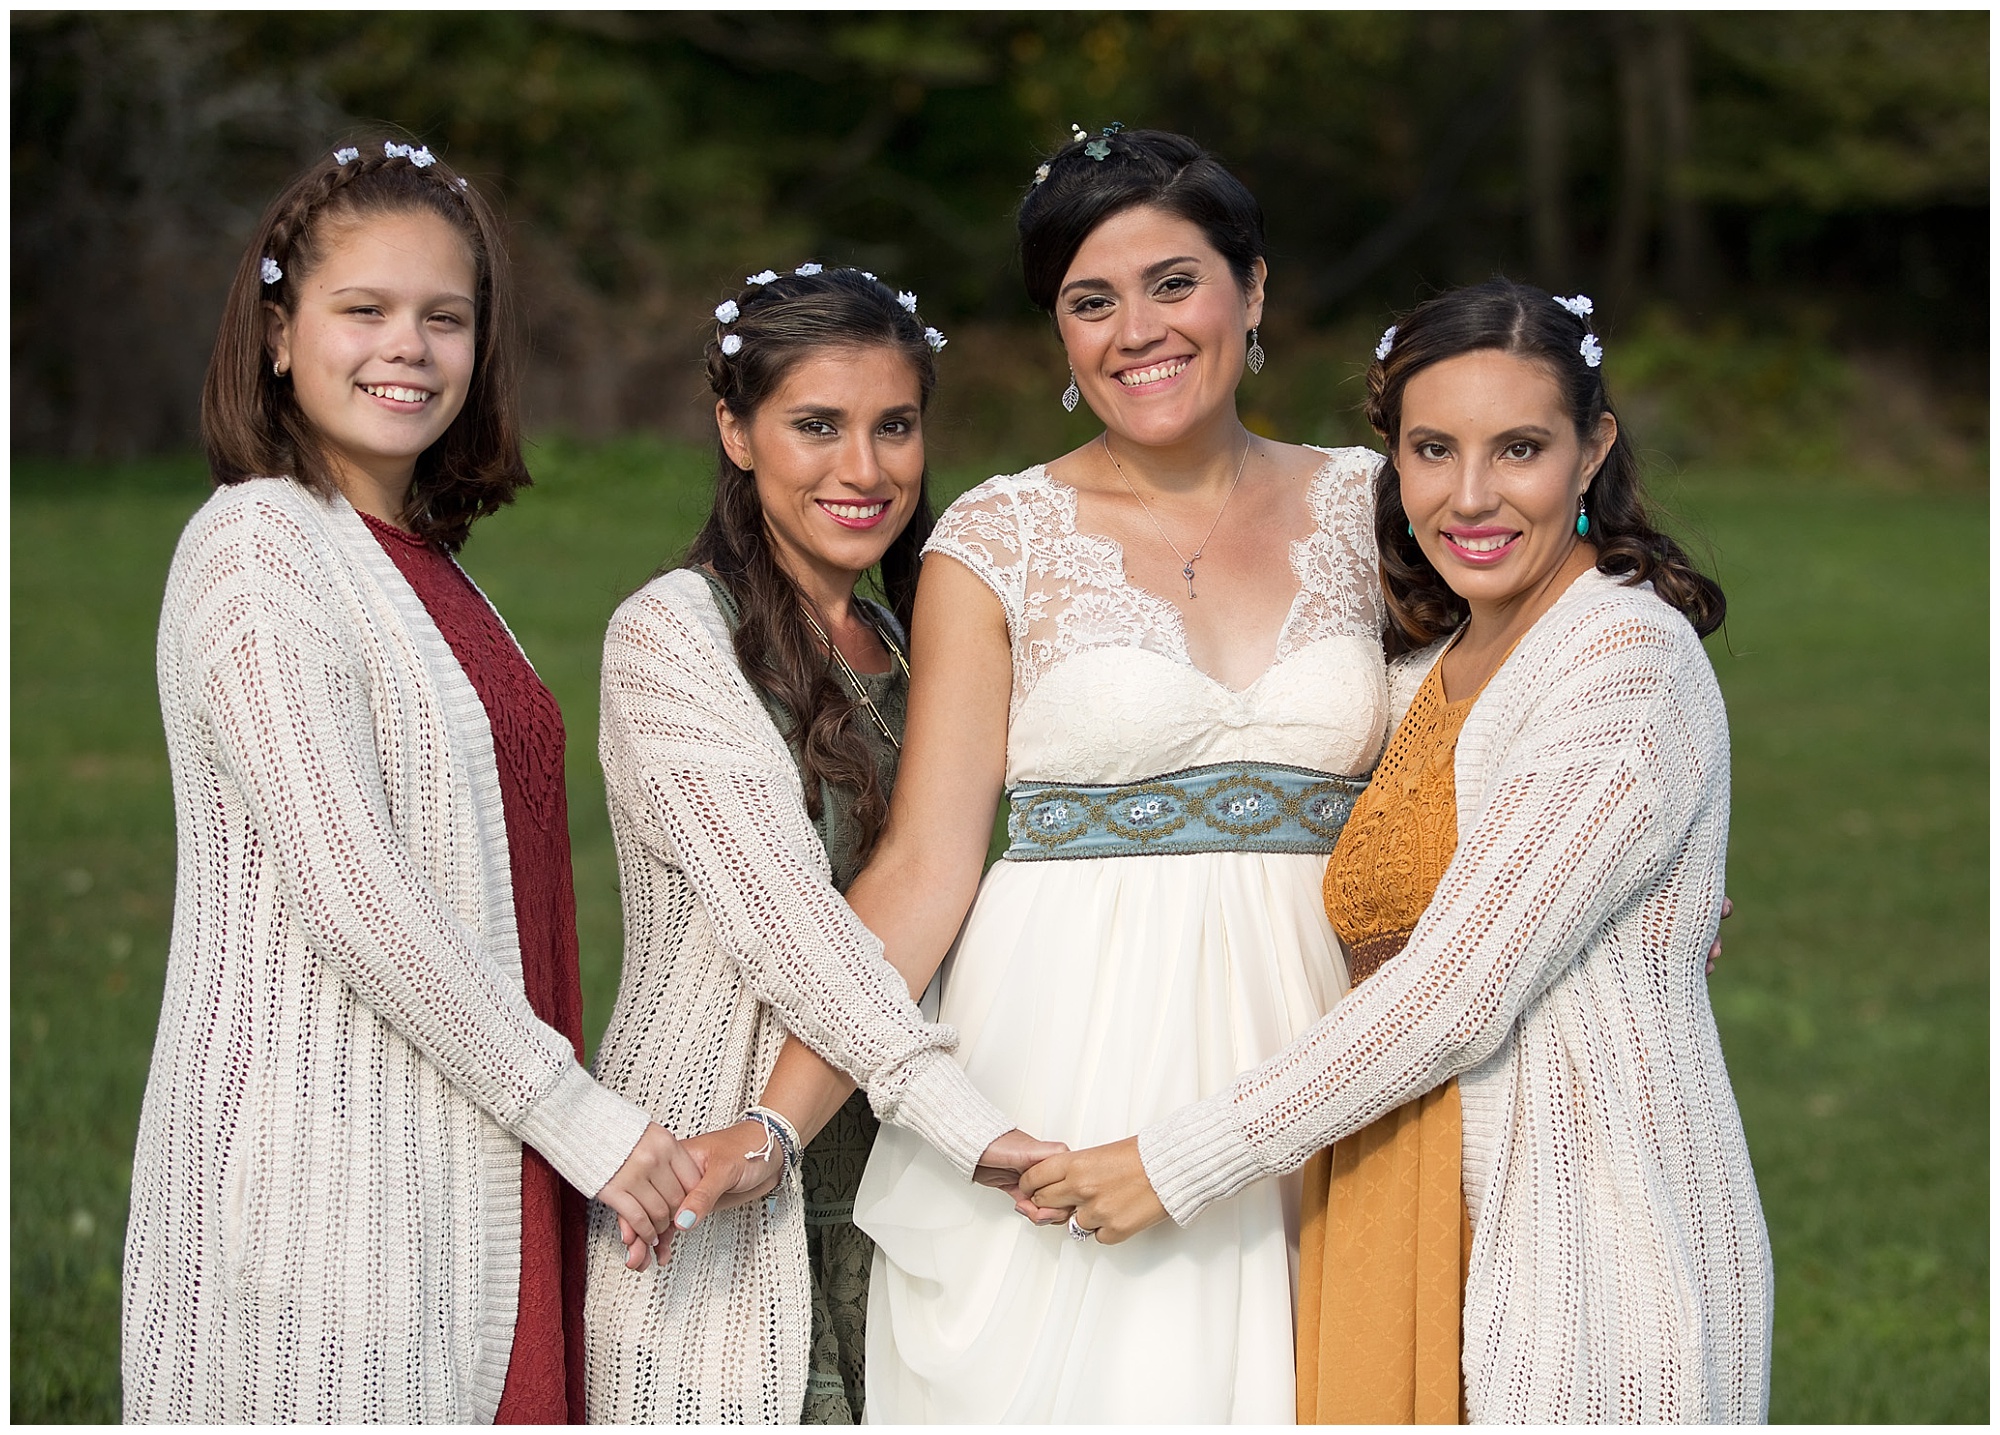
(1226,807)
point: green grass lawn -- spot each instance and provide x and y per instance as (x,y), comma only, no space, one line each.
(1852,996)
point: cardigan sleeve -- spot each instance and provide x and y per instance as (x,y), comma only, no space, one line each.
(692,760)
(1578,818)
(288,702)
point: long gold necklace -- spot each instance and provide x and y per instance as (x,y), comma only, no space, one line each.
(1188,560)
(854,678)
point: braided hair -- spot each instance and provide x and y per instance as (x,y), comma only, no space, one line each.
(251,423)
(778,325)
(1525,321)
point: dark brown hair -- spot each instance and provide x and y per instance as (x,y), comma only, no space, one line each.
(1139,167)
(251,423)
(780,324)
(1523,320)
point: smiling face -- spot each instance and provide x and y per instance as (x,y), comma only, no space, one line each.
(838,456)
(1154,322)
(1491,471)
(380,347)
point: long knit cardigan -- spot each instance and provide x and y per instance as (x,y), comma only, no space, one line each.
(325,1220)
(1620,1269)
(734,935)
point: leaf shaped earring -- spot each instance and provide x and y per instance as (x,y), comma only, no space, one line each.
(1072,396)
(1255,358)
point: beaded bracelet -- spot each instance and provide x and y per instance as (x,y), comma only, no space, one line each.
(779,1134)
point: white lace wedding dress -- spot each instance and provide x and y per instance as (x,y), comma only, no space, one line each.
(1093,996)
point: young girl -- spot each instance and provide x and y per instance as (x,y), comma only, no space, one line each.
(753,717)
(357,1194)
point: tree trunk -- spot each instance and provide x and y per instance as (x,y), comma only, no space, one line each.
(1545,157)
(1633,219)
(1686,243)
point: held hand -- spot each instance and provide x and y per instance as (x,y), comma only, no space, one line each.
(730,1174)
(1715,947)
(1105,1188)
(646,1190)
(1002,1163)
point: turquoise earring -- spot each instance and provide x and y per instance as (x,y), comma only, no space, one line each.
(1582,521)
(1411,529)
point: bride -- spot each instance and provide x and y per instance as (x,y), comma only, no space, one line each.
(1165,648)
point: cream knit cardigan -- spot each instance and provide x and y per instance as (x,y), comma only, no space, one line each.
(1620,1269)
(734,935)
(326,1214)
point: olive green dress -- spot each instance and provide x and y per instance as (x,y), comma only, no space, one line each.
(837,1253)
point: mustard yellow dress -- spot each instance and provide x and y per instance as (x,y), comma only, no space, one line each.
(1383,1231)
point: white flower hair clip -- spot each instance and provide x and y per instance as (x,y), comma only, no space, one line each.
(1592,351)
(936,340)
(726,312)
(732,344)
(1041,173)
(866,275)
(808,270)
(1579,306)
(768,276)
(346,156)
(907,300)
(418,155)
(1386,343)
(1077,132)
(270,270)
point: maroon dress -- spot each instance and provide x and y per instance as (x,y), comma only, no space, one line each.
(545,1371)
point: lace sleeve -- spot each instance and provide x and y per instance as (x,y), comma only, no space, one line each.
(288,704)
(1339,588)
(1578,820)
(690,759)
(982,530)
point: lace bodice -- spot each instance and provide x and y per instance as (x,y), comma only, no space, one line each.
(1104,689)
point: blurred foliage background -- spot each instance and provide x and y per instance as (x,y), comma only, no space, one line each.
(1783,218)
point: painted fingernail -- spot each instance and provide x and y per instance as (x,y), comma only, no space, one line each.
(685,1220)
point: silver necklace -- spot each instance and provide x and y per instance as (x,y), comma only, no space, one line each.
(854,678)
(1188,560)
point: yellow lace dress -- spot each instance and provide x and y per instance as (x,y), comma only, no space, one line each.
(1384,1234)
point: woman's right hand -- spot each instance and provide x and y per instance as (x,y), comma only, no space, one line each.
(731,1174)
(647,1190)
(1003,1163)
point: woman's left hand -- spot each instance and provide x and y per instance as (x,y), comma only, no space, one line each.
(729,1177)
(1105,1187)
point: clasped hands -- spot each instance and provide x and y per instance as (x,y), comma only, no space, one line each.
(669,1185)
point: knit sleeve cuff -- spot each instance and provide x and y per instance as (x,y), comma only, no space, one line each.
(938,1101)
(1197,1155)
(583,1129)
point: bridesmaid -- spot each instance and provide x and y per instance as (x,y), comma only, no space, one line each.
(752,725)
(367,1140)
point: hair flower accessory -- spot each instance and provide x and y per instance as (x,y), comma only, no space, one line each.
(907,300)
(936,340)
(1388,342)
(1077,132)
(1579,306)
(346,156)
(726,312)
(808,269)
(732,344)
(418,155)
(768,276)
(866,275)
(1041,173)
(1592,351)
(270,270)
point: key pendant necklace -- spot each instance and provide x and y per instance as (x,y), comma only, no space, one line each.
(854,682)
(1188,560)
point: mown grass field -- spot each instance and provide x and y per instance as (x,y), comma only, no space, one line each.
(1853,994)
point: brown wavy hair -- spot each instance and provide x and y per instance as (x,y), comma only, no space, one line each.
(782,324)
(1517,319)
(251,423)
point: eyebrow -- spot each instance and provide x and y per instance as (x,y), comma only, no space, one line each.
(1151,271)
(833,411)
(1422,432)
(369,291)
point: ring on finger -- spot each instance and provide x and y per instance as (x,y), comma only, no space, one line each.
(1079,1233)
